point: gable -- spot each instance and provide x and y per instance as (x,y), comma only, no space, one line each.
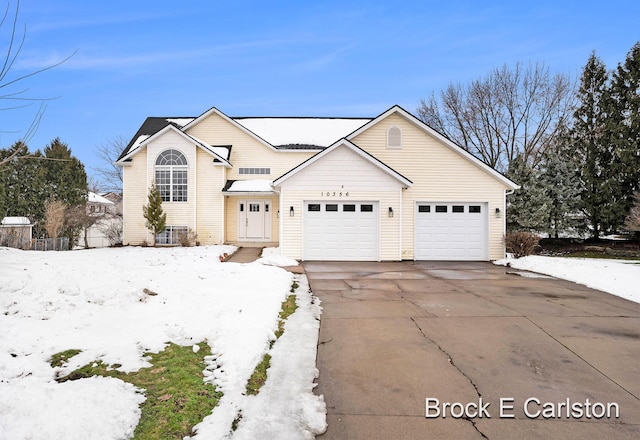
(343,165)
(176,137)
(423,149)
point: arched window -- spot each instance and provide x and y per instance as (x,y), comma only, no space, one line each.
(394,137)
(172,176)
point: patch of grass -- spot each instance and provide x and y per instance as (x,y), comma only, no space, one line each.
(294,286)
(259,376)
(59,359)
(587,254)
(288,307)
(177,397)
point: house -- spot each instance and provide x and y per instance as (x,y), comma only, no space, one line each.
(117,201)
(107,219)
(377,189)
(16,232)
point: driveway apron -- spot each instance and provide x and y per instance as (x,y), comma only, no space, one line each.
(396,336)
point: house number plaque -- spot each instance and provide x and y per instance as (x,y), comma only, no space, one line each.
(334,194)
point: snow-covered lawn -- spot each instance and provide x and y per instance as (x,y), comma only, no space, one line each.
(618,277)
(95,300)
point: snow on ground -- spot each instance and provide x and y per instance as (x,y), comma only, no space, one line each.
(618,277)
(102,301)
(272,256)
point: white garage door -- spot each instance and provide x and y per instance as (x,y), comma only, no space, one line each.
(451,231)
(341,231)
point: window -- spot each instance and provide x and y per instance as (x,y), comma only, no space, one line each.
(366,208)
(171,235)
(313,207)
(254,170)
(394,137)
(441,208)
(474,209)
(331,208)
(254,207)
(424,208)
(171,176)
(348,208)
(457,208)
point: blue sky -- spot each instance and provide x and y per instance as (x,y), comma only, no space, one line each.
(280,58)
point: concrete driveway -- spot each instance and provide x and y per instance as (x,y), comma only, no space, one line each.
(395,334)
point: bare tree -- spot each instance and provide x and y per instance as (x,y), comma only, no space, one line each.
(54,213)
(79,217)
(12,98)
(510,112)
(112,229)
(109,174)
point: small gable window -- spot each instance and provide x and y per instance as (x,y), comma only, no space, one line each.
(171,176)
(394,137)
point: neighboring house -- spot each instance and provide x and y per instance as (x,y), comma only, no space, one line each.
(16,232)
(116,199)
(381,189)
(106,212)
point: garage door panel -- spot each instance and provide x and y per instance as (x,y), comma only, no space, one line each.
(451,231)
(346,232)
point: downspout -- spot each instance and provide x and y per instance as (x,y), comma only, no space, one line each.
(281,221)
(223,211)
(195,192)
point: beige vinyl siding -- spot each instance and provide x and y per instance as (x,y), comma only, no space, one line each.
(342,176)
(178,213)
(209,199)
(135,197)
(247,151)
(438,173)
(231,216)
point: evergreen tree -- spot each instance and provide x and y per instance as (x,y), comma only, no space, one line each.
(527,206)
(22,183)
(65,175)
(27,181)
(66,181)
(156,219)
(591,141)
(625,90)
(561,189)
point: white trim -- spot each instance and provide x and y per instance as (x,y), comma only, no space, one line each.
(223,210)
(265,217)
(353,147)
(186,136)
(212,110)
(401,220)
(195,193)
(456,148)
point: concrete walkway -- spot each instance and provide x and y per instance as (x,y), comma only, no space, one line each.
(395,334)
(245,255)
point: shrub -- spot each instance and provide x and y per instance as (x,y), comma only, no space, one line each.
(188,239)
(521,243)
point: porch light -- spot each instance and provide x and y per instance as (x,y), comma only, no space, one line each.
(390,212)
(497,212)
(291,212)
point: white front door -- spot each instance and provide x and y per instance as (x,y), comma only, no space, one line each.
(254,220)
